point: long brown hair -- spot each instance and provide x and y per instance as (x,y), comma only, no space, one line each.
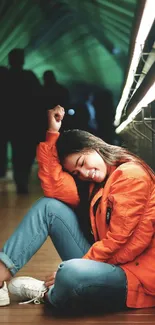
(72,141)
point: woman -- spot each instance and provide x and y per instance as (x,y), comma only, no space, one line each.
(114,267)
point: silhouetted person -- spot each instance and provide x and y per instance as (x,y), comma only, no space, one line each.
(54,92)
(24,93)
(85,115)
(103,103)
(4,117)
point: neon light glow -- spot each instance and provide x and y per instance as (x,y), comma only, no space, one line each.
(145,26)
(148,98)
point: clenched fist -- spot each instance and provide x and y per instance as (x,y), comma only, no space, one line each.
(55,117)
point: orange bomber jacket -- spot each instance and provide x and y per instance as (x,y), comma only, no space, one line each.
(124,222)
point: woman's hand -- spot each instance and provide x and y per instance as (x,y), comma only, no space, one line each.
(50,279)
(55,117)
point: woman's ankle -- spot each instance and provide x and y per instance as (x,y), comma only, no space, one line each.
(5,274)
(46,298)
(1,284)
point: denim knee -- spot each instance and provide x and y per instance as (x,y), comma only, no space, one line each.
(69,274)
(49,206)
(48,202)
(66,282)
(79,281)
(52,206)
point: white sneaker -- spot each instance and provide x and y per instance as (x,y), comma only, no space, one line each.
(24,287)
(4,296)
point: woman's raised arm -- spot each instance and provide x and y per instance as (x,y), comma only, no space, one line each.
(55,182)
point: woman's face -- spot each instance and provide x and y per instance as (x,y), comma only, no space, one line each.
(88,166)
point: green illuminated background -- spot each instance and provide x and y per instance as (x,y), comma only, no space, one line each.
(83,41)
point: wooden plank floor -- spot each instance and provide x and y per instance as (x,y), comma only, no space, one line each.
(12,210)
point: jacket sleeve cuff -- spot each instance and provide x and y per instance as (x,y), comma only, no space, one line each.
(51,137)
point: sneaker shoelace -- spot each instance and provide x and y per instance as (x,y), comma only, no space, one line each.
(29,293)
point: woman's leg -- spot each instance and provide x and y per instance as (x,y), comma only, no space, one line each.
(77,279)
(46,217)
(82,284)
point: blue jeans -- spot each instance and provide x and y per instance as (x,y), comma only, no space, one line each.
(79,282)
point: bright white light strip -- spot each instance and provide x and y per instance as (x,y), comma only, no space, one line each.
(148,98)
(144,28)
